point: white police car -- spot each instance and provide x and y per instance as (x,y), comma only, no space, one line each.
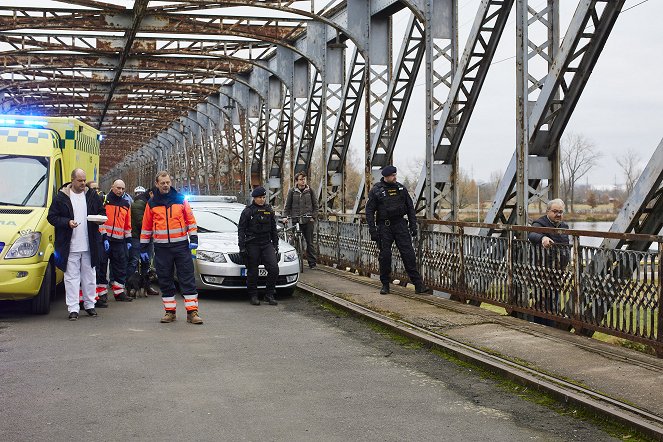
(218,265)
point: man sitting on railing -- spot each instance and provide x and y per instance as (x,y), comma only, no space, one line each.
(554,254)
(388,203)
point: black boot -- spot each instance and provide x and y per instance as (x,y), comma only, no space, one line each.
(254,300)
(385,289)
(270,299)
(102,302)
(421,289)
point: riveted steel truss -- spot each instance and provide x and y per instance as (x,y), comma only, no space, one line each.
(397,100)
(456,112)
(545,104)
(228,95)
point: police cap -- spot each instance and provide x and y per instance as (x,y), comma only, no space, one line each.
(258,191)
(388,170)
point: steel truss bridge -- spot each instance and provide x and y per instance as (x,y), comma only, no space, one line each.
(230,94)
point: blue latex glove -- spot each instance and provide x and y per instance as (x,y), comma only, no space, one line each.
(106,245)
(144,256)
(193,245)
(128,246)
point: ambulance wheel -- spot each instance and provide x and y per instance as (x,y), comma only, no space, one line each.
(41,304)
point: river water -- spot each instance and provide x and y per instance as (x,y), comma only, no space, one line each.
(598,226)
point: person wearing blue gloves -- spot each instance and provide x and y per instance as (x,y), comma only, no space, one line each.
(169,222)
(116,235)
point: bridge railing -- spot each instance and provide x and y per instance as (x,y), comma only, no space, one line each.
(584,287)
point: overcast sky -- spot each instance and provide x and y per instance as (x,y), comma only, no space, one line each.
(620,108)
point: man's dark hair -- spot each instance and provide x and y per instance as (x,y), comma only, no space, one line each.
(300,174)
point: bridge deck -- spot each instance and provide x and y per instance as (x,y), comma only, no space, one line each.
(618,372)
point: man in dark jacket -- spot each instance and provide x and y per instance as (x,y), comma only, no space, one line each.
(302,206)
(553,253)
(557,257)
(259,243)
(388,203)
(141,196)
(116,233)
(76,241)
(102,266)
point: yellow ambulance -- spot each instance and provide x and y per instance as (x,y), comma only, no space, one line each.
(37,155)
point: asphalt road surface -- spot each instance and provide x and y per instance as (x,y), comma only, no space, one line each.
(293,372)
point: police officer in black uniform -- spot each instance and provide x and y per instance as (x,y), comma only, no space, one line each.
(259,243)
(392,202)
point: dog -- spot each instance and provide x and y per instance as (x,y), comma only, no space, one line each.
(135,286)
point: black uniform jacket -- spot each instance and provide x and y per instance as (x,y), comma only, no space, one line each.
(59,215)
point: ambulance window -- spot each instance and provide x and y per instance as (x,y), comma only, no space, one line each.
(58,176)
(29,178)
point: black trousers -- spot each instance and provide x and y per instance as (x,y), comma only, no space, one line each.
(261,254)
(399,233)
(167,261)
(307,231)
(118,257)
(102,268)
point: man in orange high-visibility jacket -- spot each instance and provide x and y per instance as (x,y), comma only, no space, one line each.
(116,236)
(169,222)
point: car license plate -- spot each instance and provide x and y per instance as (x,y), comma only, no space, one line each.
(261,272)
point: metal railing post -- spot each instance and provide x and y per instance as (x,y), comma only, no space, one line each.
(659,328)
(511,291)
(575,294)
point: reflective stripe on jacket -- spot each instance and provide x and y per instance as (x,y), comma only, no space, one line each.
(118,225)
(168,220)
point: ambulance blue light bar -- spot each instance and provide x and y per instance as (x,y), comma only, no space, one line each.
(22,123)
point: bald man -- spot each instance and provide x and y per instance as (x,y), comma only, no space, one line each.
(76,241)
(116,235)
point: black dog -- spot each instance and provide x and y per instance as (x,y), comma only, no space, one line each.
(135,286)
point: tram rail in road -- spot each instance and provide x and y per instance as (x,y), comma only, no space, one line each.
(647,423)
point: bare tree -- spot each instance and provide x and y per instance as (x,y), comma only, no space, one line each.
(578,156)
(630,165)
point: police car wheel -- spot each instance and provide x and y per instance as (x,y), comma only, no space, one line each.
(41,304)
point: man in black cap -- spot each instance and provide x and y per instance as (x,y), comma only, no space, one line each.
(392,202)
(259,243)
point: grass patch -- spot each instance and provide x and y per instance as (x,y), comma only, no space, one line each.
(621,342)
(400,339)
(333,309)
(494,308)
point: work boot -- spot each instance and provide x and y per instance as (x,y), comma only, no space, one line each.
(122,297)
(255,300)
(270,299)
(193,317)
(150,291)
(385,289)
(421,289)
(169,316)
(102,302)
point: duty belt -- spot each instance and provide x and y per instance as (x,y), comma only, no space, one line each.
(388,222)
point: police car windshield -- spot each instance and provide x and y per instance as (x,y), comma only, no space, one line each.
(211,221)
(26,180)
